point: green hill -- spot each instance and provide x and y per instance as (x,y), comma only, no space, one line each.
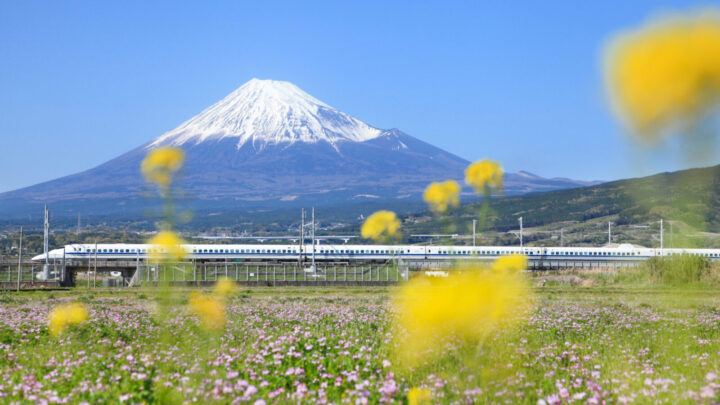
(687,200)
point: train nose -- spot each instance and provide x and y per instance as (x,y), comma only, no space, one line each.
(39,258)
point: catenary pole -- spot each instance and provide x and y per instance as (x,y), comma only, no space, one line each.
(313,239)
(662,244)
(474,230)
(95,272)
(521,233)
(20,259)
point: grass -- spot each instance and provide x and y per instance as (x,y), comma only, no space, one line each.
(674,272)
(614,343)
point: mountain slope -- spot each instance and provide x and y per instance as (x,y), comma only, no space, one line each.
(267,145)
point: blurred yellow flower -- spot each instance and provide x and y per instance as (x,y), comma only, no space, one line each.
(484,176)
(209,310)
(380,225)
(166,246)
(64,316)
(225,286)
(161,164)
(470,304)
(418,396)
(665,73)
(440,196)
(510,263)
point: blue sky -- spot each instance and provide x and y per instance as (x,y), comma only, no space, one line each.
(82,82)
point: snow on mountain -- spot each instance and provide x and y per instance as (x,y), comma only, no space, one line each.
(263,112)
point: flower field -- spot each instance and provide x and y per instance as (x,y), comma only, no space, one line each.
(311,346)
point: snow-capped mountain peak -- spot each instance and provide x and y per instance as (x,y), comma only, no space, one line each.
(269,112)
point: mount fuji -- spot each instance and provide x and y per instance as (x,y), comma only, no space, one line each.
(267,145)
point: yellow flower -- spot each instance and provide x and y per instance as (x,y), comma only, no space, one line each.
(665,73)
(161,164)
(380,225)
(418,396)
(440,196)
(64,316)
(209,310)
(484,176)
(225,286)
(166,246)
(510,263)
(470,304)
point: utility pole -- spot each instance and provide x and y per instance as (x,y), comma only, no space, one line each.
(562,237)
(77,234)
(474,230)
(521,233)
(609,234)
(20,259)
(661,237)
(671,235)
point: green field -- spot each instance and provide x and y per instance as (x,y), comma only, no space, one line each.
(594,344)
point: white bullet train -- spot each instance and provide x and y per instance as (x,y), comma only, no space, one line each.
(330,252)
